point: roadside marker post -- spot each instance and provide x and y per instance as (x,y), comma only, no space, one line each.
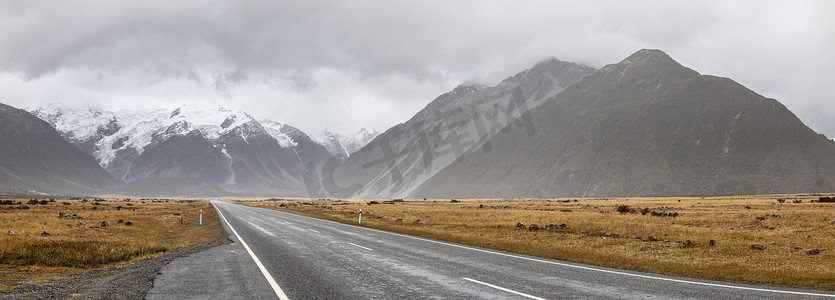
(360,216)
(201,217)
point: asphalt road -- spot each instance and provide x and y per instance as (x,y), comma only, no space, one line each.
(282,255)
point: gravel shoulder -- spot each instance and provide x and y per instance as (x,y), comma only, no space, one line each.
(129,282)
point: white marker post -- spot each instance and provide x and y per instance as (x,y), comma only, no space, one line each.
(360,216)
(201,216)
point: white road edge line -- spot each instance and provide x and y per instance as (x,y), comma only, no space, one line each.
(504,289)
(314,231)
(273,284)
(358,246)
(581,267)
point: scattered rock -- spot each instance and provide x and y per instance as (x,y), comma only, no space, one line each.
(777,216)
(589,232)
(652,238)
(113,250)
(748,207)
(463,224)
(771,243)
(797,248)
(758,247)
(713,243)
(520,226)
(27,235)
(129,223)
(120,221)
(417,221)
(557,227)
(639,237)
(176,214)
(815,251)
(500,226)
(12,233)
(808,236)
(602,232)
(832,223)
(398,220)
(104,224)
(688,244)
(534,227)
(62,215)
(82,223)
(44,233)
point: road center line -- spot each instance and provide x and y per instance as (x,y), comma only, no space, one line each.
(273,284)
(314,231)
(358,246)
(504,289)
(622,273)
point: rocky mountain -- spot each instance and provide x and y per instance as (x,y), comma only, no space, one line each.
(341,146)
(34,158)
(399,160)
(230,149)
(647,126)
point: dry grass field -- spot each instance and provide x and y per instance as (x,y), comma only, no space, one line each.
(60,237)
(660,235)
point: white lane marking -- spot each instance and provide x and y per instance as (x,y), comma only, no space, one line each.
(504,289)
(273,284)
(583,267)
(358,246)
(314,231)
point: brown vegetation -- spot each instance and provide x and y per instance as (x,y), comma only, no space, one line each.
(45,238)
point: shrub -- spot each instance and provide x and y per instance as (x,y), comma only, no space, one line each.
(826,199)
(624,209)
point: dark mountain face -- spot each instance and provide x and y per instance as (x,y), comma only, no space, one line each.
(648,126)
(176,156)
(259,163)
(402,158)
(172,187)
(34,157)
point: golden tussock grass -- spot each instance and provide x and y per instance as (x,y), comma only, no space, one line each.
(47,245)
(602,236)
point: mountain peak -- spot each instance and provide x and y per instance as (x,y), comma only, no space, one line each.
(648,55)
(547,62)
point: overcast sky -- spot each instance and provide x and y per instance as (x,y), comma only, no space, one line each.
(350,64)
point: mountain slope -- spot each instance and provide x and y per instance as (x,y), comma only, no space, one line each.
(648,126)
(219,146)
(33,156)
(464,119)
(188,155)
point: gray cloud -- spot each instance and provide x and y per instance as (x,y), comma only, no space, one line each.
(351,64)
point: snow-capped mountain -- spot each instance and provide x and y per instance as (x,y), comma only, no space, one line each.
(342,146)
(229,148)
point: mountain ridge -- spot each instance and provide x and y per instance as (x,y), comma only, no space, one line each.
(648,126)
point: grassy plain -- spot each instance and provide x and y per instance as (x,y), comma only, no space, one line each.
(600,235)
(48,245)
